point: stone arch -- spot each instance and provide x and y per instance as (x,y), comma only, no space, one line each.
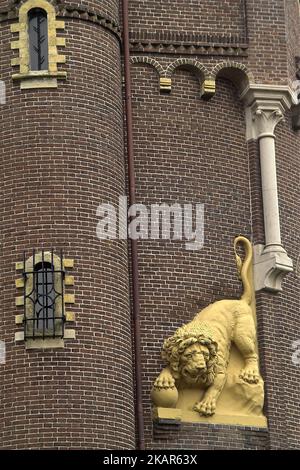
(149,61)
(236,72)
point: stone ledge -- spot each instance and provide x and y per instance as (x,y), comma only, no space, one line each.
(176,416)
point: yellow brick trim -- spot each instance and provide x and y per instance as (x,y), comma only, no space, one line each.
(19,319)
(15,27)
(69,334)
(20,282)
(68,263)
(23,45)
(208,89)
(59,59)
(19,301)
(19,265)
(69,298)
(15,45)
(165,84)
(19,336)
(15,61)
(69,280)
(61,41)
(59,24)
(70,316)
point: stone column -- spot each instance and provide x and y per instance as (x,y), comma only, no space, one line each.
(265,108)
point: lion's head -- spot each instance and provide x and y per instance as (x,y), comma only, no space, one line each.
(191,353)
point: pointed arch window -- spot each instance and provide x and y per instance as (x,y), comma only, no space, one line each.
(38,39)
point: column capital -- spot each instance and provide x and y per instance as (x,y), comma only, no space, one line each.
(265,108)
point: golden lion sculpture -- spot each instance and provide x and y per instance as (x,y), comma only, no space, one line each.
(198,353)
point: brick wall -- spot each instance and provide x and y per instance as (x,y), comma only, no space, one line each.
(187,17)
(61,156)
(189,150)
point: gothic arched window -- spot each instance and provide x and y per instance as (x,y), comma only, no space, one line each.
(38,39)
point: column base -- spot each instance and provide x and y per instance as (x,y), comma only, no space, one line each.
(271,264)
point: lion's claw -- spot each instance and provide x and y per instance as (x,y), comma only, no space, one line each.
(250,375)
(164,381)
(206,407)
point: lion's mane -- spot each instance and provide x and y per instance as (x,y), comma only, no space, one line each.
(194,332)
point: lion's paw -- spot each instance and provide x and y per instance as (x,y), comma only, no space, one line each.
(250,375)
(206,407)
(164,380)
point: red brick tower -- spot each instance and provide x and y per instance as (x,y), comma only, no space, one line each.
(61,155)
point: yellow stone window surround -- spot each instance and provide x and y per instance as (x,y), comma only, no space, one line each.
(67,298)
(38,78)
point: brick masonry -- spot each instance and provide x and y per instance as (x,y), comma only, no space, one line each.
(62,154)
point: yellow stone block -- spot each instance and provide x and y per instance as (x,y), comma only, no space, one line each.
(15,45)
(60,59)
(69,280)
(15,27)
(20,282)
(61,42)
(19,319)
(19,301)
(52,67)
(19,336)
(59,24)
(19,265)
(69,298)
(15,61)
(70,316)
(165,84)
(69,334)
(68,263)
(208,89)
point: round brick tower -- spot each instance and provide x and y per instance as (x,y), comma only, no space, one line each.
(213,118)
(61,156)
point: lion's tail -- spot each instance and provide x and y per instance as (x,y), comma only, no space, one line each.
(244,268)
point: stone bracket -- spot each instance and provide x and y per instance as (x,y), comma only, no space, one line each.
(270,268)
